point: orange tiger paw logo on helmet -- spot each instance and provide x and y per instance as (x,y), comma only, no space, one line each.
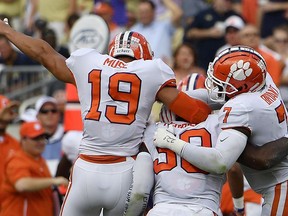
(241,70)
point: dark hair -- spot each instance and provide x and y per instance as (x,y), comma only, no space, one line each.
(191,48)
(72,19)
(49,36)
(40,24)
(283,27)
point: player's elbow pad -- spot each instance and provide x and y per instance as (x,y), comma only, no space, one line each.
(190,109)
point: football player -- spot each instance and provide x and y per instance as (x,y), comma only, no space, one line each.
(116,93)
(253,110)
(180,187)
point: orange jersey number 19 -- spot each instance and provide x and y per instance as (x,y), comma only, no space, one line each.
(131,97)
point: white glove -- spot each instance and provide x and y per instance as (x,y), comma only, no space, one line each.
(165,138)
(6,21)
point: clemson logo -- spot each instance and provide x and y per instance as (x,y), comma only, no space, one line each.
(37,127)
(241,70)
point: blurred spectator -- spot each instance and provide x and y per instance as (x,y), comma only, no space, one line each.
(207,30)
(49,116)
(185,62)
(119,7)
(250,10)
(250,36)
(279,43)
(55,12)
(57,88)
(39,26)
(162,11)
(27,186)
(106,11)
(9,56)
(60,95)
(158,33)
(190,9)
(275,13)
(84,6)
(14,9)
(132,5)
(131,18)
(50,37)
(29,115)
(68,26)
(233,25)
(8,144)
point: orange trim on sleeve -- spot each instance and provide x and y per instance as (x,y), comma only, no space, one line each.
(168,83)
(190,109)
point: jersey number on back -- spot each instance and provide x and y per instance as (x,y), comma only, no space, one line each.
(129,97)
(171,157)
(281,113)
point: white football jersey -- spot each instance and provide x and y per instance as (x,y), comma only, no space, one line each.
(116,99)
(265,115)
(176,180)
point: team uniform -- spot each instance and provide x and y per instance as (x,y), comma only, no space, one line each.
(181,188)
(264,114)
(253,111)
(116,100)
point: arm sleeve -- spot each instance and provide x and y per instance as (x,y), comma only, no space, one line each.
(220,159)
(190,109)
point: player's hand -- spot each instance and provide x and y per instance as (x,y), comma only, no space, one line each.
(60,181)
(164,136)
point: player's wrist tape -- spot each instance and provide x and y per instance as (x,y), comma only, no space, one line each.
(177,146)
(239,204)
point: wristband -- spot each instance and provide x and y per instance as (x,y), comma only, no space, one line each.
(239,204)
(177,146)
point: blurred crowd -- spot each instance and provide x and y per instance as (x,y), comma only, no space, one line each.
(186,34)
(206,26)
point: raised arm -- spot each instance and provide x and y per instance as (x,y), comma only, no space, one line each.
(40,51)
